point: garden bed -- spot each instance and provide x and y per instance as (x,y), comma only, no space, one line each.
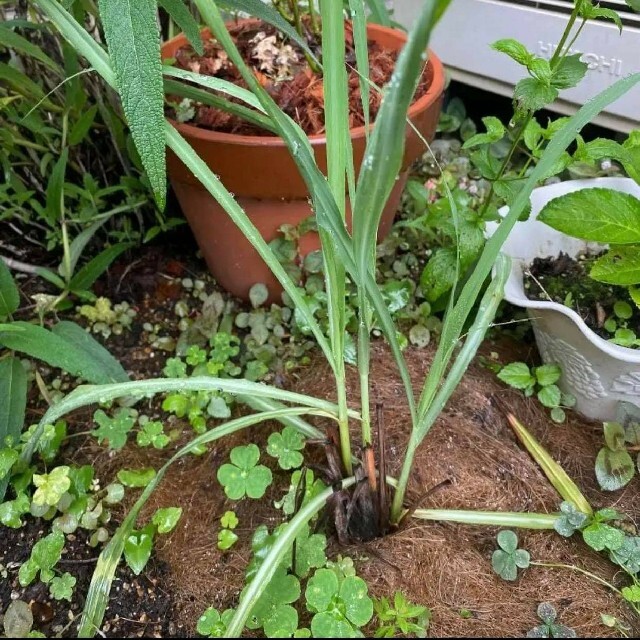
(446,567)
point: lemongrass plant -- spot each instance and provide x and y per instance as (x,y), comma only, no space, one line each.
(133,66)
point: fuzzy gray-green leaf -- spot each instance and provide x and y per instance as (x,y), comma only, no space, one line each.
(133,37)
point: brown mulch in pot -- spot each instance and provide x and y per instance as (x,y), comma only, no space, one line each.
(292,83)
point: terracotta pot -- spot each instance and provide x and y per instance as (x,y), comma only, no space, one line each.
(263,176)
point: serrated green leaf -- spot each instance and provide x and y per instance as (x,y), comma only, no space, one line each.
(51,486)
(495,131)
(532,94)
(517,375)
(548,374)
(619,266)
(515,50)
(133,38)
(597,215)
(550,396)
(569,72)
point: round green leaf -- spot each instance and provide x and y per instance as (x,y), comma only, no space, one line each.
(331,625)
(282,622)
(257,481)
(245,457)
(614,469)
(508,541)
(230,477)
(166,519)
(358,604)
(550,396)
(321,588)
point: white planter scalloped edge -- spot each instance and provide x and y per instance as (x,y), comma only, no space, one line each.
(598,373)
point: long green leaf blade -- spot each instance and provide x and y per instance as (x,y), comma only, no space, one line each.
(13,403)
(55,350)
(385,148)
(176,88)
(91,271)
(73,333)
(9,296)
(216,84)
(11,40)
(557,476)
(490,518)
(183,18)
(133,37)
(85,395)
(379,12)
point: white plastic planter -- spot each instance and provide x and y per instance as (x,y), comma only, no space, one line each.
(597,372)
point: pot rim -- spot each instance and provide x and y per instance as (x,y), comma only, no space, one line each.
(434,91)
(625,354)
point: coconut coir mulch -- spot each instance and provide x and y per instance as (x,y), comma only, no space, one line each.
(446,567)
(284,72)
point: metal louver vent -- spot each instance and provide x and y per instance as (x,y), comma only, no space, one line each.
(629,18)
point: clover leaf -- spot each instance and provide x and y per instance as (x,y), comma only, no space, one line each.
(213,624)
(113,429)
(273,611)
(244,476)
(614,465)
(600,536)
(229,520)
(549,628)
(175,368)
(570,520)
(310,551)
(152,433)
(286,446)
(628,554)
(340,607)
(226,539)
(61,587)
(51,486)
(506,560)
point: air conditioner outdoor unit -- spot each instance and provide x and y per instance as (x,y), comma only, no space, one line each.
(469,27)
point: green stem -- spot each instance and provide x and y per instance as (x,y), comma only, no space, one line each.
(539,521)
(571,567)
